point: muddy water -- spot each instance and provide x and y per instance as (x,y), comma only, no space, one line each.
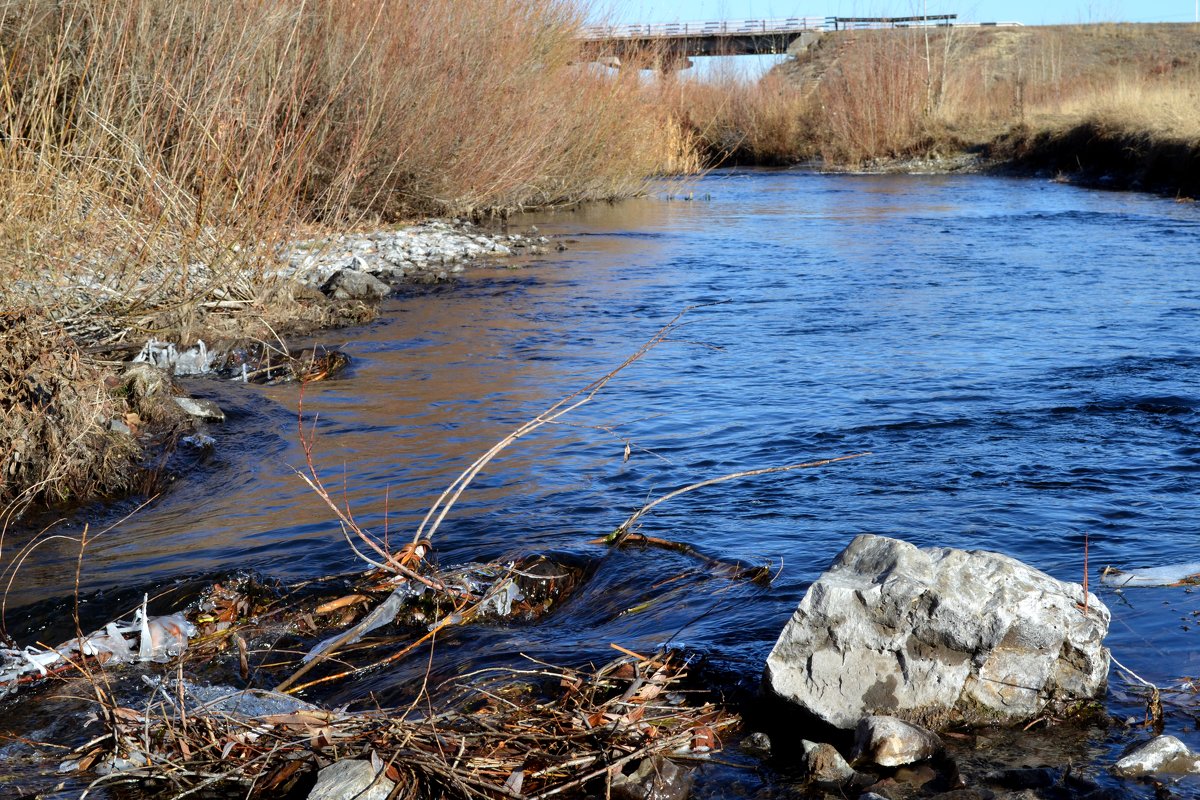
(1021,357)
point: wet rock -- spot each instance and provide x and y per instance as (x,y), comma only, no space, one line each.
(350,780)
(350,284)
(757,744)
(1024,778)
(825,765)
(1162,755)
(656,778)
(918,777)
(938,635)
(890,742)
(201,409)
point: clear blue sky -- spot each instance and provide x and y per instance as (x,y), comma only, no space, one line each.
(1029,12)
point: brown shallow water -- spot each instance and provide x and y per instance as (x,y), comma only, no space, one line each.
(1020,356)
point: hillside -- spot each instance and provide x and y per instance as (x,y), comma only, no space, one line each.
(1114,101)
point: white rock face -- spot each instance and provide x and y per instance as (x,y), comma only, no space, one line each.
(937,636)
(1164,755)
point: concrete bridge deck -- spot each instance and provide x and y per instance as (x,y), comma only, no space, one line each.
(674,43)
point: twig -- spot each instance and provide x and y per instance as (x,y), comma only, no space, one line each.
(622,530)
(441,507)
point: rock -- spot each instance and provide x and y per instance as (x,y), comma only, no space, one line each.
(656,778)
(201,409)
(350,284)
(890,742)
(1164,755)
(1022,778)
(350,780)
(145,381)
(919,776)
(937,636)
(757,744)
(825,765)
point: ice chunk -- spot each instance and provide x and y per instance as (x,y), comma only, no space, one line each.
(165,355)
(381,615)
(1171,575)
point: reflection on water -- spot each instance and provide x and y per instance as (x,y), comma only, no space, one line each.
(1020,356)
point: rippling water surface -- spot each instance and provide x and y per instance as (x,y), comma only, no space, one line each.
(1021,358)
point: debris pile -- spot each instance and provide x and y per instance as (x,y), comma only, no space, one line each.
(502,734)
(54,409)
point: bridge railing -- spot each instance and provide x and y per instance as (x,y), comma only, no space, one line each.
(686,29)
(683,30)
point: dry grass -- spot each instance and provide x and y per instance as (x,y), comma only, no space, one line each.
(859,97)
(734,119)
(54,413)
(156,152)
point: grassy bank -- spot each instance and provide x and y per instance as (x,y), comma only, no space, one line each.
(144,135)
(1115,100)
(156,154)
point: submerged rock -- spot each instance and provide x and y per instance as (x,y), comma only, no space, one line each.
(890,742)
(201,409)
(656,778)
(938,635)
(350,780)
(1162,755)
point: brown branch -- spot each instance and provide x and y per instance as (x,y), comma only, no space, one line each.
(441,507)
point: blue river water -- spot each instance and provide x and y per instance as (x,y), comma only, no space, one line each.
(1020,357)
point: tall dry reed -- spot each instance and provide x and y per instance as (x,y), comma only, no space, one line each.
(160,148)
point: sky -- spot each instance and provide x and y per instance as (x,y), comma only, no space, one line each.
(1028,12)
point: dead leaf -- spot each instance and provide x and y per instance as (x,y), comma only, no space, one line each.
(299,719)
(280,776)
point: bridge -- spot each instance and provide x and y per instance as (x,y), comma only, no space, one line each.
(669,46)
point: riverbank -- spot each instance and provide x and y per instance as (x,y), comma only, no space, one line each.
(1111,104)
(961,328)
(163,159)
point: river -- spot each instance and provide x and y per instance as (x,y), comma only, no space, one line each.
(1020,356)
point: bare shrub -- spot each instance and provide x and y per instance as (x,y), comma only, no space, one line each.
(160,149)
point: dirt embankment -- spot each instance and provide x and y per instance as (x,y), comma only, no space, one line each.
(1117,104)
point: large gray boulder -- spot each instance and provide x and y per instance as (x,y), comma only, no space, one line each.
(937,636)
